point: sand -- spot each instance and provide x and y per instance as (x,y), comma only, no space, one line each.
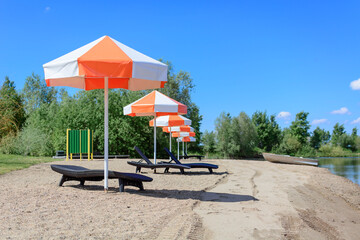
(243,199)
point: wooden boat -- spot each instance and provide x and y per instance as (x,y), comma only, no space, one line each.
(289,159)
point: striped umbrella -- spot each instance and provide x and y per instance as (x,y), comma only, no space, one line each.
(178,129)
(155,104)
(102,64)
(170,121)
(182,134)
(186,140)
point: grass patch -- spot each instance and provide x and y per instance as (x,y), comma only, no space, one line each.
(10,163)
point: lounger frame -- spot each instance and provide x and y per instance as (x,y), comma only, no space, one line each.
(148,164)
(209,166)
(81,174)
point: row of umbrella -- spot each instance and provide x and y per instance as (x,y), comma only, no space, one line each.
(105,64)
(157,104)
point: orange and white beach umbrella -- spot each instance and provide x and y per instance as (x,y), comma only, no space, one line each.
(178,129)
(186,140)
(102,64)
(170,121)
(155,104)
(183,134)
(124,67)
(180,136)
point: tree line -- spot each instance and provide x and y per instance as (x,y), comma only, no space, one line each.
(33,121)
(242,136)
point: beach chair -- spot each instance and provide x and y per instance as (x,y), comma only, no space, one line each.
(146,163)
(185,156)
(209,166)
(77,173)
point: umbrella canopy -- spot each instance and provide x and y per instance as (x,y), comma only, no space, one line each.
(186,139)
(178,129)
(86,68)
(183,134)
(102,64)
(169,121)
(155,104)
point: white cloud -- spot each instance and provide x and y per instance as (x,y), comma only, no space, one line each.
(284,115)
(47,9)
(342,110)
(356,121)
(355,85)
(319,121)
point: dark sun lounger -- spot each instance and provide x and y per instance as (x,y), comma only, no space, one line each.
(82,174)
(149,164)
(191,156)
(210,167)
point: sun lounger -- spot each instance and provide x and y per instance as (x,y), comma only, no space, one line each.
(148,164)
(210,167)
(191,156)
(77,173)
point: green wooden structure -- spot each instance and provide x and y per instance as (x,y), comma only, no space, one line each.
(79,142)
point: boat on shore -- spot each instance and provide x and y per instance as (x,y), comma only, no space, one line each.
(276,158)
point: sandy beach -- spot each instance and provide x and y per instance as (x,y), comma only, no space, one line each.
(243,199)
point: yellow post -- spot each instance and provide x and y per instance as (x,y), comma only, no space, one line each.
(67,144)
(80,143)
(88,144)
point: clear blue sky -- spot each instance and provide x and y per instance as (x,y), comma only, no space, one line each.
(278,56)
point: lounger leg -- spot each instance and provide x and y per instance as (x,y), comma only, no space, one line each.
(166,170)
(121,185)
(182,171)
(141,186)
(210,170)
(82,182)
(138,169)
(62,180)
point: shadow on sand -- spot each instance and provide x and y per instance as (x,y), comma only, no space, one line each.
(175,194)
(199,195)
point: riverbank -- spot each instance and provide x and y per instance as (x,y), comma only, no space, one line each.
(242,200)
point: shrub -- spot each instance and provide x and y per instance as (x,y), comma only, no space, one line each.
(333,151)
(9,144)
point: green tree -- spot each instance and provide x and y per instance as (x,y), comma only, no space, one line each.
(12,115)
(223,133)
(354,132)
(35,93)
(209,141)
(300,127)
(319,137)
(268,131)
(243,137)
(338,131)
(347,141)
(289,144)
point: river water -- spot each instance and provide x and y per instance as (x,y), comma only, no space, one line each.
(345,167)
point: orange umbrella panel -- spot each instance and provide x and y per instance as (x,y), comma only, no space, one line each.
(183,134)
(178,129)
